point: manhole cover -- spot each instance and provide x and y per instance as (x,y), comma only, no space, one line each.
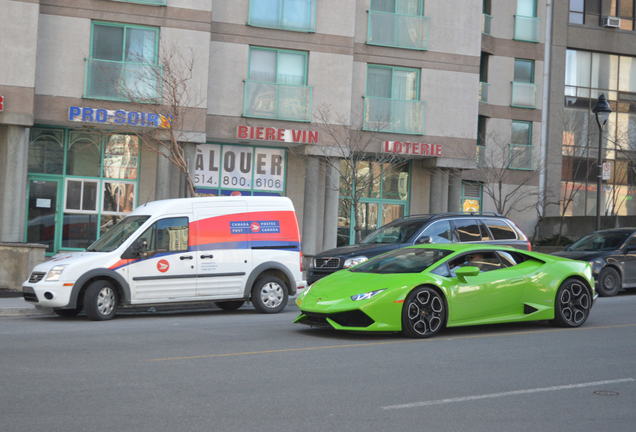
(606,393)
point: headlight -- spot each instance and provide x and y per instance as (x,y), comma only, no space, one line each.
(597,264)
(366,295)
(54,273)
(350,262)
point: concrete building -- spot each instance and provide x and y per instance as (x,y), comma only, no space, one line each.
(269,81)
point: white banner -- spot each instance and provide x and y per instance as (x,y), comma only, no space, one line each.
(269,165)
(206,166)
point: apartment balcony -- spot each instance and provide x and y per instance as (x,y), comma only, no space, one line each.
(277,101)
(524,95)
(486,23)
(526,28)
(394,115)
(398,30)
(483,92)
(122,81)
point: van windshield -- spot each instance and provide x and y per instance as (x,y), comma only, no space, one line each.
(115,236)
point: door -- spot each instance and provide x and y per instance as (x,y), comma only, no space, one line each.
(42,212)
(223,249)
(167,268)
(628,262)
(494,294)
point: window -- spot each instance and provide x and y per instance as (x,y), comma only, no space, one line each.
(520,154)
(146,2)
(295,15)
(577,11)
(277,85)
(123,63)
(624,9)
(480,151)
(406,260)
(526,21)
(471,196)
(398,23)
(500,230)
(486,16)
(167,235)
(483,77)
(524,71)
(392,100)
(467,230)
(523,87)
(485,261)
(439,232)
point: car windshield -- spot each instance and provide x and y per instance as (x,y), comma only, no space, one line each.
(408,260)
(600,241)
(395,232)
(115,236)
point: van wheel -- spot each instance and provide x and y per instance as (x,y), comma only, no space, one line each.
(100,301)
(269,294)
(229,305)
(66,313)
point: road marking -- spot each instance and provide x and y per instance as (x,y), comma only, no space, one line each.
(508,393)
(402,341)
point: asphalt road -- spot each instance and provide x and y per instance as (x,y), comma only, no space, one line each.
(242,371)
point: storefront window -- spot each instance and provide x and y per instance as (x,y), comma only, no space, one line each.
(80,202)
(382,191)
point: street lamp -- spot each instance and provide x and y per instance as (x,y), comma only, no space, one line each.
(602,111)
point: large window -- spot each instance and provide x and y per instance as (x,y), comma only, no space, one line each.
(123,63)
(96,176)
(382,191)
(392,100)
(587,75)
(526,21)
(472,197)
(520,153)
(523,87)
(577,11)
(398,23)
(295,15)
(276,87)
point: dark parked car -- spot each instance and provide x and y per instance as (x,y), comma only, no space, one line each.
(410,230)
(612,254)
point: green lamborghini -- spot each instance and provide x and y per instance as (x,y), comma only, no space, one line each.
(420,290)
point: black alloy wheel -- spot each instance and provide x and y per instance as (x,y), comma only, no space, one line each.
(572,304)
(423,313)
(609,282)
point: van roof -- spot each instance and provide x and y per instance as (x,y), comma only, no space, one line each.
(181,204)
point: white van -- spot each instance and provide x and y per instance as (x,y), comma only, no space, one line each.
(222,249)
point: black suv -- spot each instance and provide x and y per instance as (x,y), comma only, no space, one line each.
(418,229)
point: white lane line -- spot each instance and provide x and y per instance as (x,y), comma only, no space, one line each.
(509,393)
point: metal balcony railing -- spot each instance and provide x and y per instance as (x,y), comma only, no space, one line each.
(524,95)
(394,115)
(277,101)
(398,30)
(122,81)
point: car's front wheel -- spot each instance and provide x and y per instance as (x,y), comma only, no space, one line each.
(609,282)
(100,301)
(269,294)
(424,313)
(572,304)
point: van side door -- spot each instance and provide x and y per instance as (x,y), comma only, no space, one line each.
(222,246)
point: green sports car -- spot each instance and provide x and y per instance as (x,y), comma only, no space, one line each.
(420,290)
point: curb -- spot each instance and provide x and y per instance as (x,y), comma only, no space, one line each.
(19,312)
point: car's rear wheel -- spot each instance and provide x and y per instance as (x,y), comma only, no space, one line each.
(230,305)
(572,304)
(100,301)
(424,313)
(609,282)
(269,294)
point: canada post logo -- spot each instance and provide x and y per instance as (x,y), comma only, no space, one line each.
(255,227)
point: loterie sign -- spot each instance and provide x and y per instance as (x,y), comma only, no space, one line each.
(239,167)
(297,136)
(412,148)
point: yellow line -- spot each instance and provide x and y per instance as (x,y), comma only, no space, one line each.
(356,345)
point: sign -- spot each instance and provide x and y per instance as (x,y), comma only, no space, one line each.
(163,265)
(118,117)
(412,148)
(1,103)
(277,134)
(255,227)
(471,206)
(239,167)
(607,171)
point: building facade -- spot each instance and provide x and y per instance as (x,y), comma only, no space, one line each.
(280,93)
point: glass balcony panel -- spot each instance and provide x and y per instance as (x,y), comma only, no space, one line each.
(108,79)
(486,22)
(394,115)
(526,28)
(520,156)
(402,31)
(524,95)
(483,91)
(277,101)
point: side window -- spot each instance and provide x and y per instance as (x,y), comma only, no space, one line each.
(501,230)
(439,232)
(167,235)
(485,234)
(442,270)
(507,259)
(467,230)
(485,261)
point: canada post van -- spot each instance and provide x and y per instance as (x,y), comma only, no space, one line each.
(221,249)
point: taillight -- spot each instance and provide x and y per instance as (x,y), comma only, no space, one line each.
(301,261)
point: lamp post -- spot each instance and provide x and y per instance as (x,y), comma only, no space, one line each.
(601,111)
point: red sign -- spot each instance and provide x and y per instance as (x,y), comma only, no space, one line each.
(255,227)
(277,134)
(163,265)
(412,148)
(1,103)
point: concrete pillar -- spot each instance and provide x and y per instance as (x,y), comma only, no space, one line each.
(439,191)
(312,210)
(330,219)
(454,191)
(168,183)
(14,157)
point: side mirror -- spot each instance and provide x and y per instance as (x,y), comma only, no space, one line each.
(139,249)
(424,240)
(463,272)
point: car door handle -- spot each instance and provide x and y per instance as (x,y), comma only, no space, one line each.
(207,256)
(185,257)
